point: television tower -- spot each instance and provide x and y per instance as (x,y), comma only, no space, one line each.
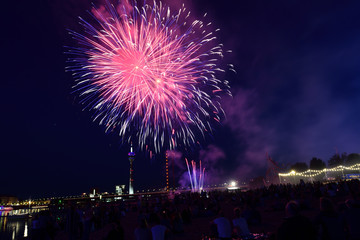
(131,155)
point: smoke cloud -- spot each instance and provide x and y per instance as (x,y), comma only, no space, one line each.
(252,140)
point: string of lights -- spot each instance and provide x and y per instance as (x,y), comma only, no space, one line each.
(313,173)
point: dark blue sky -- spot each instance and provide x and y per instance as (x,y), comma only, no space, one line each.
(296,96)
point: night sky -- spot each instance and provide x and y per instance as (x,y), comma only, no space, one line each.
(295,96)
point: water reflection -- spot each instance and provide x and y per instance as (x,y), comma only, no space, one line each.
(3,221)
(26,230)
(15,224)
(14,228)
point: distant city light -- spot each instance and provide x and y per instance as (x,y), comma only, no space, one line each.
(233,185)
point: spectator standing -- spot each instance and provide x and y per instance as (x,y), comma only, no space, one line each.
(331,226)
(158,231)
(295,226)
(352,220)
(240,225)
(223,227)
(142,232)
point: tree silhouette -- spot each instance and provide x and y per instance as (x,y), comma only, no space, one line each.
(317,164)
(299,167)
(352,159)
(337,160)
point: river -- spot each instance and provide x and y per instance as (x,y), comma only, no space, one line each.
(16,224)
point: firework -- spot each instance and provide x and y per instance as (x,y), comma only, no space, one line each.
(196,177)
(149,73)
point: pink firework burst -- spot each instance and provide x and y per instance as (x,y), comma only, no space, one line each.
(150,73)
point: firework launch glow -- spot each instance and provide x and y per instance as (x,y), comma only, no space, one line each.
(150,73)
(196,177)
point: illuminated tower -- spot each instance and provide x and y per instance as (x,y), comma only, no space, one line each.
(167,170)
(131,155)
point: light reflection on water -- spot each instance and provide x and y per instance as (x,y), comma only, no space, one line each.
(26,230)
(15,224)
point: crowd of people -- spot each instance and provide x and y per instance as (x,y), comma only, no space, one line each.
(303,211)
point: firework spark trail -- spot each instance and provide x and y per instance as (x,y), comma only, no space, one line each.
(196,177)
(147,71)
(190,177)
